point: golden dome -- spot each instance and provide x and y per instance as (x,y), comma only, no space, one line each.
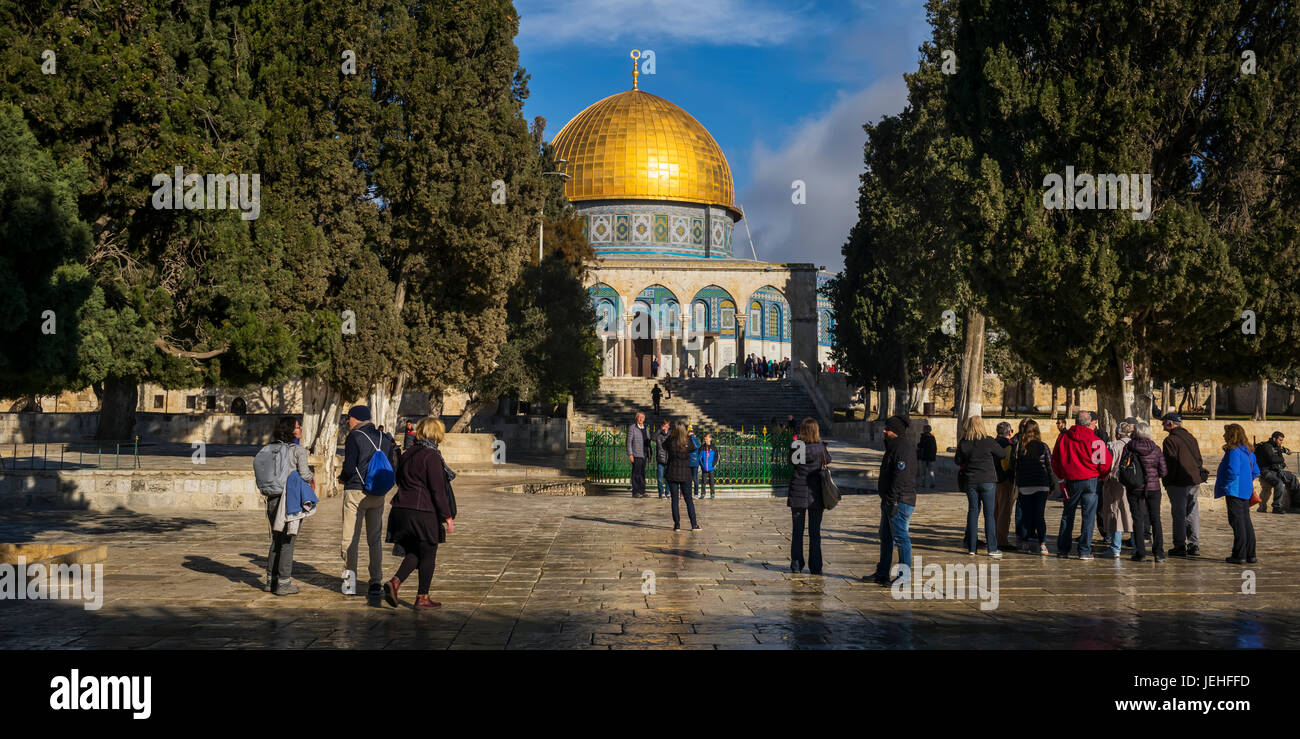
(638,146)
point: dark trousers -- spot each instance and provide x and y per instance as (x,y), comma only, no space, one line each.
(1243,531)
(1033,521)
(1183,509)
(656,406)
(695,481)
(279,560)
(423,560)
(638,476)
(684,490)
(1145,507)
(706,477)
(814,518)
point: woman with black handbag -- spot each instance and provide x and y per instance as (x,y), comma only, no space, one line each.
(805,497)
(423,512)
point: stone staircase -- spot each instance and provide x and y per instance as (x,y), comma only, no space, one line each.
(703,401)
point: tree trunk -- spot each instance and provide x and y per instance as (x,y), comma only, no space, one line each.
(474,405)
(970,386)
(902,391)
(436,402)
(321,408)
(886,391)
(1055,410)
(1261,401)
(1143,392)
(1183,402)
(385,398)
(1164,398)
(1214,399)
(117,400)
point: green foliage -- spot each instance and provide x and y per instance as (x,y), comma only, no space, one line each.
(1097,86)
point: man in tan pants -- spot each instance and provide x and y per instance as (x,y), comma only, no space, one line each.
(359,506)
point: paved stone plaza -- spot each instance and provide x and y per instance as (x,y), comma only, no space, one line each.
(524,571)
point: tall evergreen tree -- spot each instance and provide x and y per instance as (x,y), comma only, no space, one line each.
(1103,89)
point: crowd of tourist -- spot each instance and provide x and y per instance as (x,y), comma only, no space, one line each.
(1113,485)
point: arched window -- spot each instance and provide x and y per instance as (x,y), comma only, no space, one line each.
(700,319)
(755,319)
(604,317)
(774,322)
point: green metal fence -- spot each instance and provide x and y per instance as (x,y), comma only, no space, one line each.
(754,457)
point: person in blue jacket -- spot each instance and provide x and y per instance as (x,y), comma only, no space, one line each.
(708,463)
(695,464)
(1236,483)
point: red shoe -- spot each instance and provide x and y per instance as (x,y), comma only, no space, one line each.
(390,591)
(422,601)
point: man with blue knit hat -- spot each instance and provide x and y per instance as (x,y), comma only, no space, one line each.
(360,504)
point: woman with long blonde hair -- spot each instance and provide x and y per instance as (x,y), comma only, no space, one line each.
(977,459)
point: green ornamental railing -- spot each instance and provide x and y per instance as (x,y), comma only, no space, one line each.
(754,457)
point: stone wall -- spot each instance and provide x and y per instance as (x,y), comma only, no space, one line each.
(214,428)
(108,490)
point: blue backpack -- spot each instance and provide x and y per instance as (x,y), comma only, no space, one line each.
(379,477)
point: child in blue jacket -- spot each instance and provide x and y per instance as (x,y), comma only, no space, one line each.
(708,463)
(695,464)
(1236,483)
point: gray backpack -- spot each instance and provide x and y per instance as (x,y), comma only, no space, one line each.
(271,468)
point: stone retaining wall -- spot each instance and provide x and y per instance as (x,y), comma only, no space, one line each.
(107,490)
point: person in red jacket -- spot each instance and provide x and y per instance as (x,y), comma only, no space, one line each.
(1080,460)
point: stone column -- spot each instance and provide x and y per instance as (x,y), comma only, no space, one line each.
(627,345)
(740,341)
(802,297)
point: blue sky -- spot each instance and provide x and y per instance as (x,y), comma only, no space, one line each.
(784,87)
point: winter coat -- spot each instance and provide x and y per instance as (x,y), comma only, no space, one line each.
(422,482)
(1153,461)
(638,441)
(927,448)
(695,451)
(1269,457)
(357,451)
(1115,512)
(679,463)
(806,485)
(661,446)
(978,460)
(1073,455)
(1237,473)
(1033,465)
(1182,459)
(708,458)
(898,472)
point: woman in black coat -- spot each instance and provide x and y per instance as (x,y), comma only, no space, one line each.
(678,473)
(421,514)
(977,458)
(805,498)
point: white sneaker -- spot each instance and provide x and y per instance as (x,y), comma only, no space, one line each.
(996,555)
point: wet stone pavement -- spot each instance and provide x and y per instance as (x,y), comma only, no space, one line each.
(536,572)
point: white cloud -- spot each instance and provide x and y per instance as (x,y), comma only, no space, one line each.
(714,22)
(825,152)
